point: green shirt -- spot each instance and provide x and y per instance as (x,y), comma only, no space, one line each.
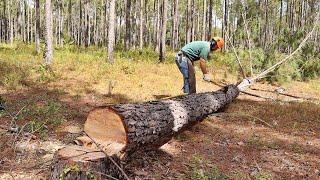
(196,50)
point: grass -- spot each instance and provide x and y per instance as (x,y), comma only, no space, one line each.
(200,169)
(81,71)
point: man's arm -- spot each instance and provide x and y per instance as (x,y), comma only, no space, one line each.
(203,67)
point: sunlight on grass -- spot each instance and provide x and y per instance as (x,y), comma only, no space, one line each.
(79,72)
(136,74)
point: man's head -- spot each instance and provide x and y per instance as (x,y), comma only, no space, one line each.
(216,43)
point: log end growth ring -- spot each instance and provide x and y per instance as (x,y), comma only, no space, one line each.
(106,127)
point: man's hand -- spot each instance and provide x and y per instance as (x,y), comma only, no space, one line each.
(206,77)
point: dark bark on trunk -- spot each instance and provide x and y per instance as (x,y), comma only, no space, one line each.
(162,56)
(188,23)
(175,24)
(210,20)
(5,21)
(80,24)
(38,31)
(128,24)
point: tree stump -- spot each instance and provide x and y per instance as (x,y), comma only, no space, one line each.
(77,162)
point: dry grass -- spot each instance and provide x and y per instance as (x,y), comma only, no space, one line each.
(79,73)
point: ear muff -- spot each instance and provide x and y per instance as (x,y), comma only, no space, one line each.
(213,44)
(220,42)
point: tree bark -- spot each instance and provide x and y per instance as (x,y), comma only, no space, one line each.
(5,22)
(210,20)
(80,24)
(175,25)
(157,28)
(226,22)
(48,54)
(111,34)
(11,24)
(126,128)
(204,20)
(188,23)
(141,24)
(163,32)
(38,31)
(128,24)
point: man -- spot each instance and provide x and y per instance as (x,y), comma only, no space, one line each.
(194,51)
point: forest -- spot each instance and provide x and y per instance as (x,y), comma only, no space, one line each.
(101,77)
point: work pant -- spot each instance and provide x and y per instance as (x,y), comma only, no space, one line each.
(187,70)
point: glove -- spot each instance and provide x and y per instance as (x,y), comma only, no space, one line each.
(244,84)
(206,77)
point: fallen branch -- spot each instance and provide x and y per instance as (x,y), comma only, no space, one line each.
(284,94)
(303,42)
(259,96)
(238,59)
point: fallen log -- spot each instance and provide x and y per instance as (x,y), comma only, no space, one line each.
(130,127)
(125,128)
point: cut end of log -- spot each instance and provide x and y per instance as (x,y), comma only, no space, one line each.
(106,128)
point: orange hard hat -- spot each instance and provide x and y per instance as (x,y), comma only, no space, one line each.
(220,42)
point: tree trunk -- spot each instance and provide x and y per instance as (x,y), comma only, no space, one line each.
(175,24)
(38,31)
(188,23)
(126,128)
(69,17)
(280,23)
(24,21)
(106,21)
(128,24)
(204,20)
(80,24)
(210,20)
(141,24)
(158,25)
(111,34)
(225,22)
(265,28)
(11,23)
(163,32)
(193,25)
(48,54)
(28,23)
(5,21)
